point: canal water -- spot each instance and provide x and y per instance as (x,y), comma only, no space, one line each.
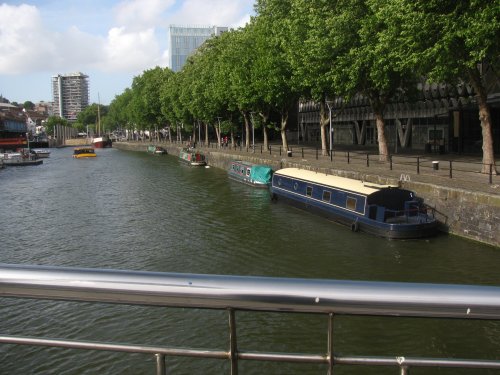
(131,210)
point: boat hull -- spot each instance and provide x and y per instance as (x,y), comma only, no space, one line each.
(411,230)
(101,142)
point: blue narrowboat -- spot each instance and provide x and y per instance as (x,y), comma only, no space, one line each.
(251,174)
(384,211)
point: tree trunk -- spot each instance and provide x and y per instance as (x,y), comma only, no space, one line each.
(324,120)
(485,118)
(377,103)
(284,123)
(383,150)
(265,117)
(206,135)
(247,128)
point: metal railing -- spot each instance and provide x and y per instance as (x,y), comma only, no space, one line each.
(232,293)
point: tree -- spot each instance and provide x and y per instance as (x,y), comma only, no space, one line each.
(52,122)
(272,74)
(28,105)
(452,41)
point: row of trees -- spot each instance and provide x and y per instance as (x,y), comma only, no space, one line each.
(320,49)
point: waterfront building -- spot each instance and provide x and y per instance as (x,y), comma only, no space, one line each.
(13,128)
(70,93)
(184,40)
(442,118)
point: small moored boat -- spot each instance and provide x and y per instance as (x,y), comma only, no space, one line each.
(250,174)
(22,158)
(385,211)
(41,153)
(192,157)
(156,150)
(84,152)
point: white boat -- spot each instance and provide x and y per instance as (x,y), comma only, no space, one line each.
(41,153)
(20,159)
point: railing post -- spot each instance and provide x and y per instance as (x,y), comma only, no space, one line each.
(280,150)
(418,164)
(390,162)
(367,160)
(302,152)
(491,174)
(233,354)
(330,354)
(404,370)
(316,153)
(331,155)
(451,169)
(269,149)
(348,158)
(261,149)
(160,364)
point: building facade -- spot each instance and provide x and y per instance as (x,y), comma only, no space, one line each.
(70,93)
(443,118)
(184,40)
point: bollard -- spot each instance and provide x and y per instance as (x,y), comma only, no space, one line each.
(348,158)
(302,152)
(451,168)
(367,160)
(418,164)
(390,162)
(435,165)
(491,174)
(316,153)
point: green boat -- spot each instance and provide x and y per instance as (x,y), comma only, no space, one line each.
(157,150)
(251,174)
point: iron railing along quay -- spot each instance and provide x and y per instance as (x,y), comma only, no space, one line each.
(233,293)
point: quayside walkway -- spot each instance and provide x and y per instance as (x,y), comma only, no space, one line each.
(331,298)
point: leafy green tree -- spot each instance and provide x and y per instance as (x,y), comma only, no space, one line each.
(272,74)
(52,122)
(28,105)
(118,116)
(452,41)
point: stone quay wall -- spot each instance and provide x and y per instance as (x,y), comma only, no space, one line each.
(468,214)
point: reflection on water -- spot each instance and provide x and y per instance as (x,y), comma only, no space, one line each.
(126,210)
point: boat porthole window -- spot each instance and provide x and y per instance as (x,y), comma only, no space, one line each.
(295,186)
(327,195)
(351,203)
(248,172)
(279,181)
(309,191)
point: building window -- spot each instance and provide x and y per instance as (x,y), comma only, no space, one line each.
(351,203)
(327,195)
(309,191)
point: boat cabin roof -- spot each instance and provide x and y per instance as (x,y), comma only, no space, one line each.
(79,150)
(336,182)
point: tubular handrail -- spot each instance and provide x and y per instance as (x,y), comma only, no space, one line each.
(232,293)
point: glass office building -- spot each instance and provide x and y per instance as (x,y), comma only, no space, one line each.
(184,40)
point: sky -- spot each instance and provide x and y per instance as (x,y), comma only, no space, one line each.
(111,41)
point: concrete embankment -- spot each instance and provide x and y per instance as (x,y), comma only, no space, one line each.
(463,212)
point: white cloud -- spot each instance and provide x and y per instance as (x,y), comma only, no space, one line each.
(136,39)
(131,51)
(141,14)
(22,41)
(213,12)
